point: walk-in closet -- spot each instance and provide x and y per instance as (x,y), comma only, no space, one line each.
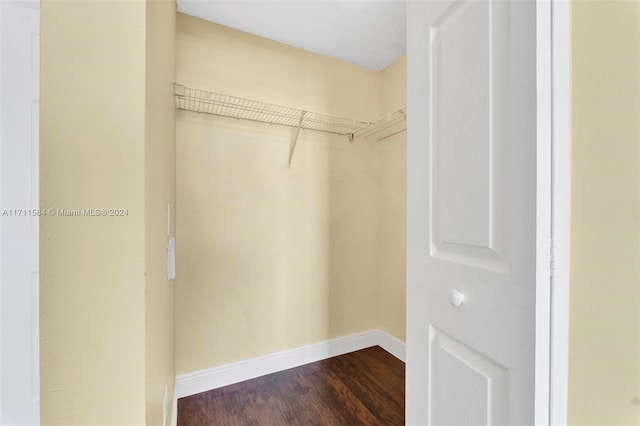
(290,171)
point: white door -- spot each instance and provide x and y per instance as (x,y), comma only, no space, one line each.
(19,280)
(471,221)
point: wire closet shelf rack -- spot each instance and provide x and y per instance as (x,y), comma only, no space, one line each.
(206,102)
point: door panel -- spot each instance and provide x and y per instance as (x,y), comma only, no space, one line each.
(471,212)
(468,388)
(468,96)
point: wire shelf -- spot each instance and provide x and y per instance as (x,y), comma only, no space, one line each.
(384,128)
(202,101)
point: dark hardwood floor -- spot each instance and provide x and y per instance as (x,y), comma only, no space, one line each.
(360,388)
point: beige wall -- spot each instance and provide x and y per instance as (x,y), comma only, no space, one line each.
(107,141)
(604,372)
(271,258)
(92,317)
(392,201)
(160,189)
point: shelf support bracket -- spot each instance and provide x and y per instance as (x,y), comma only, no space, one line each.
(292,147)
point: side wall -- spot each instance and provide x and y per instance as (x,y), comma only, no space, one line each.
(92,148)
(604,371)
(271,258)
(160,190)
(392,209)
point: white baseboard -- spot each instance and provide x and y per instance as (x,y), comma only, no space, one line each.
(394,346)
(212,378)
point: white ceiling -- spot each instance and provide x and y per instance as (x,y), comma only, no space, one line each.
(369,33)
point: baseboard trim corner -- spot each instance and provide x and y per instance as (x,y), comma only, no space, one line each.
(393,345)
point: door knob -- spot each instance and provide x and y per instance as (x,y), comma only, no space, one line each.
(455,297)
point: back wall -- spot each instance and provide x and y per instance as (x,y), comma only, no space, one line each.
(271,258)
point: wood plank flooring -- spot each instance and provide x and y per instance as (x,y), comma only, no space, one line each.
(365,387)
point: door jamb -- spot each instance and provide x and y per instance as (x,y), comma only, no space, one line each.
(35,4)
(552,211)
(1,138)
(561,197)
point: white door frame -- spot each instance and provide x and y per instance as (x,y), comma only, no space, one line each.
(553,196)
(0,199)
(34,4)
(561,197)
